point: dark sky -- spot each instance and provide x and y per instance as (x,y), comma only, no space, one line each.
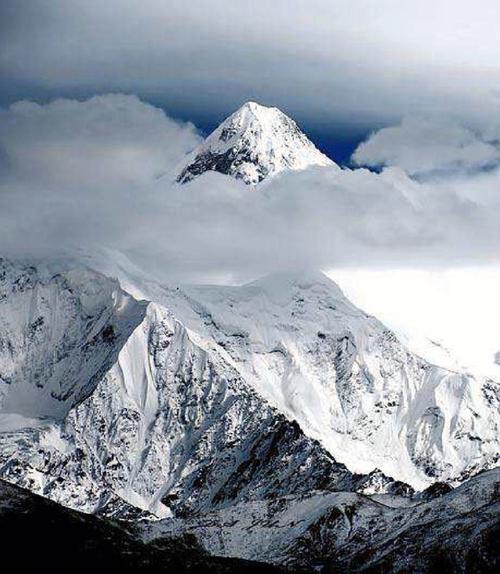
(340,68)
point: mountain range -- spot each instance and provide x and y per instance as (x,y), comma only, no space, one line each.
(273,421)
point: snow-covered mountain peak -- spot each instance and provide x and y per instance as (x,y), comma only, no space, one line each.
(256,109)
(254,143)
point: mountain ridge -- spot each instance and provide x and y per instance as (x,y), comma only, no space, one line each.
(170,425)
(287,358)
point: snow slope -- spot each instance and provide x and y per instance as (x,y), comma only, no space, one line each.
(254,143)
(187,399)
(344,377)
(164,424)
(59,334)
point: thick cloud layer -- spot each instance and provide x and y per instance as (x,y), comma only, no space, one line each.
(327,62)
(103,141)
(101,173)
(423,144)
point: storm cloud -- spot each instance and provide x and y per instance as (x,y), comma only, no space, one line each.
(354,65)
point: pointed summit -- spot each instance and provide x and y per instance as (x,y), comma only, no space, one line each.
(254,143)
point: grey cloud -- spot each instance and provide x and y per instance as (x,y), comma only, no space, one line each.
(326,62)
(106,140)
(426,144)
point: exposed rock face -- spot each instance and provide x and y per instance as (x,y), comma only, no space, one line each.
(254,143)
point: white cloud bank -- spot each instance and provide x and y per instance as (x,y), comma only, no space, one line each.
(100,173)
(105,140)
(423,144)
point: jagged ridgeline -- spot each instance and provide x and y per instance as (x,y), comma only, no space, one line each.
(163,401)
